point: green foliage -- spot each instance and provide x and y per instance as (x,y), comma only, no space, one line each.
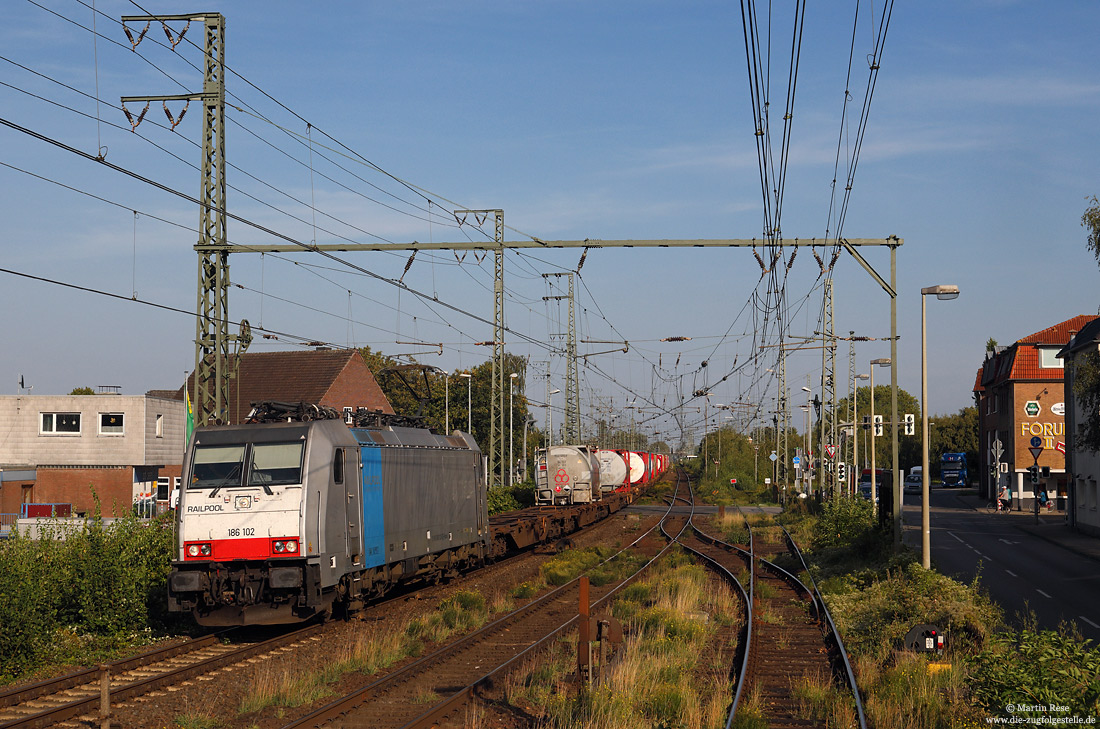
(874,620)
(1086,388)
(82,391)
(1038,668)
(506,498)
(956,433)
(103,586)
(567,566)
(844,521)
(1090,220)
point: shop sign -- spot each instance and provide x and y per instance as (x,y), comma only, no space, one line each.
(1032,408)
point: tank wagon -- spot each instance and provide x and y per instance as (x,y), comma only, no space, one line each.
(613,471)
(568,474)
(278,521)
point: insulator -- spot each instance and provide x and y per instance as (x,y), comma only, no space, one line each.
(790,263)
(460,260)
(129,117)
(408,265)
(832,261)
(820,263)
(763,268)
(580,264)
(134,43)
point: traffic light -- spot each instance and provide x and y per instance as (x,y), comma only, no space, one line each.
(1034,471)
(842,471)
(1044,471)
(866,422)
(878,426)
(910,424)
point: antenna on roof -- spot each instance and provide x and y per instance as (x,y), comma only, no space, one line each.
(22,386)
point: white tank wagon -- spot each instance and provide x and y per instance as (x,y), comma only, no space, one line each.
(613,470)
(570,475)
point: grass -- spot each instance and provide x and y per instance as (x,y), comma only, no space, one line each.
(656,679)
(369,650)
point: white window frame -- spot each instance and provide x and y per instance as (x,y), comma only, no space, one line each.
(122,428)
(54,431)
(160,426)
(1048,354)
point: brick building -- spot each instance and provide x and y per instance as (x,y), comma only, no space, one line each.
(56,449)
(338,378)
(59,448)
(1019,394)
(1082,465)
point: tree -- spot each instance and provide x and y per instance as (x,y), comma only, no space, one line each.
(82,391)
(1086,372)
(991,345)
(956,433)
(909,447)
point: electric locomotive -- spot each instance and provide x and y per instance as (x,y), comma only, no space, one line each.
(281,521)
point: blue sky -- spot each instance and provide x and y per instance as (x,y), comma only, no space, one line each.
(608,120)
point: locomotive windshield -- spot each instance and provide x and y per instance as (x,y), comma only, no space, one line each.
(276,464)
(270,464)
(217,466)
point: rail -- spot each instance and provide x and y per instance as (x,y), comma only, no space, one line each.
(833,630)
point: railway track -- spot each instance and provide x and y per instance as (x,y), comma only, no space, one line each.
(79,693)
(789,634)
(436,688)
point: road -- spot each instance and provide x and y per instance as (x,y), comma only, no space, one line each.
(1020,571)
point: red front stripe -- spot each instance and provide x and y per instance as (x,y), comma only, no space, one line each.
(227,549)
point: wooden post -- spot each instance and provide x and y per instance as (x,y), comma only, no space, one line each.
(721,512)
(104,696)
(584,639)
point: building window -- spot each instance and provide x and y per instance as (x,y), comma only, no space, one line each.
(60,423)
(1048,357)
(110,424)
(162,487)
(160,425)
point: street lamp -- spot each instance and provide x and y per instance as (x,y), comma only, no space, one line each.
(550,416)
(469,402)
(884,362)
(944,292)
(447,402)
(511,458)
(855,432)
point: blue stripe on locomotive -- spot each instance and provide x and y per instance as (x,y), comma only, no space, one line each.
(374,525)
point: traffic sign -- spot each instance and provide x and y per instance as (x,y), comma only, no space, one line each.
(997,450)
(830,450)
(1036,441)
(733,480)
(773,456)
(796,460)
(1036,452)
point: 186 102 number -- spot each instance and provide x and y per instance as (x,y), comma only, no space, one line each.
(245,532)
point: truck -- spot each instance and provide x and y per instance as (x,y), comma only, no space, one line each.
(953,469)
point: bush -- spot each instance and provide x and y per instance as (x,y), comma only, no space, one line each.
(104,585)
(1038,668)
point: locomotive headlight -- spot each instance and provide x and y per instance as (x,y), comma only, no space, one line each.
(291,546)
(205,550)
(278,545)
(193,550)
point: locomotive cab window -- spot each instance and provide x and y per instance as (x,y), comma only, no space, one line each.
(217,466)
(338,466)
(276,464)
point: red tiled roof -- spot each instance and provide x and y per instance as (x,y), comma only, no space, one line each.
(978,381)
(302,376)
(1025,365)
(1021,360)
(1059,333)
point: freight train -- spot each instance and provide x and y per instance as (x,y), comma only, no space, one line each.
(575,474)
(295,514)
